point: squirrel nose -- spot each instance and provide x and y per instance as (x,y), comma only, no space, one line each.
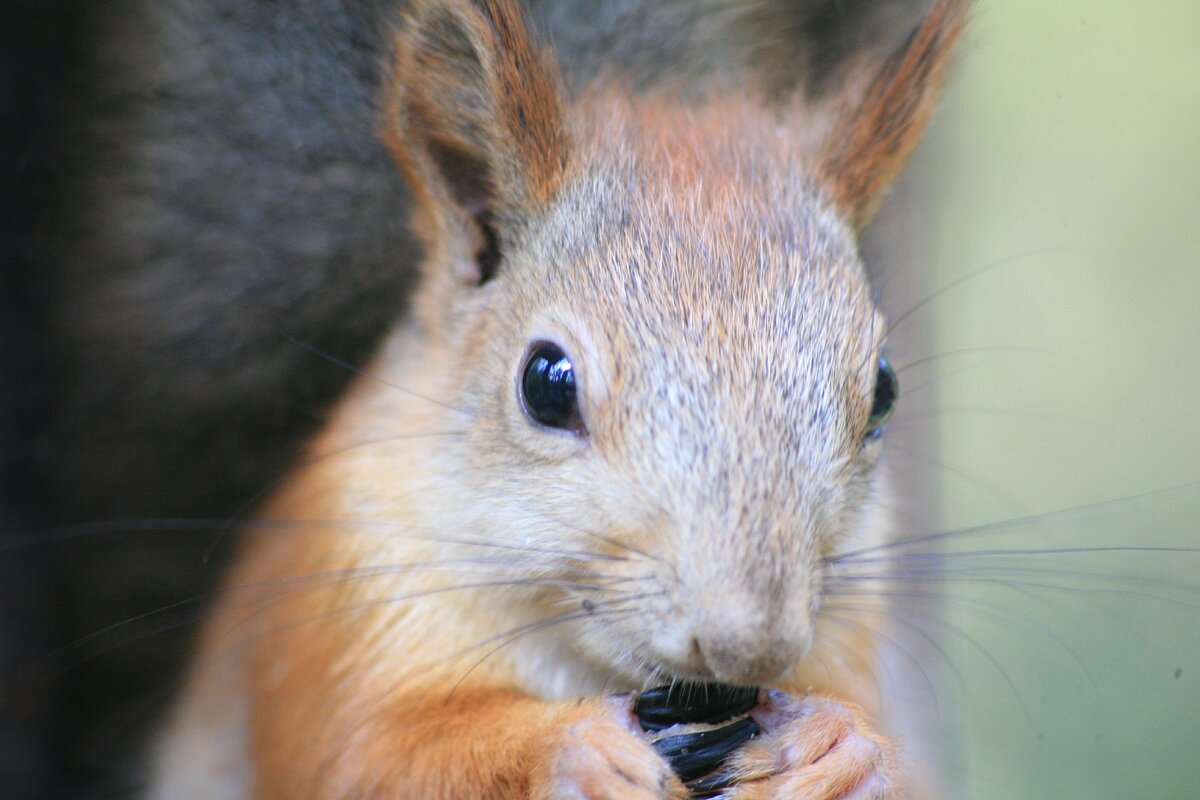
(741,663)
(736,651)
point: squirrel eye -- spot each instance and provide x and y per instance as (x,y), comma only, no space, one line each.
(887,387)
(548,389)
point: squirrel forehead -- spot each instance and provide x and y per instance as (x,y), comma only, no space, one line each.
(717,196)
(711,273)
(728,160)
(705,218)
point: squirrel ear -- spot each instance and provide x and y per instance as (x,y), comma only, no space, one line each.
(876,129)
(474,116)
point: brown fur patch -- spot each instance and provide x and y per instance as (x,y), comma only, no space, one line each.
(877,132)
(474,105)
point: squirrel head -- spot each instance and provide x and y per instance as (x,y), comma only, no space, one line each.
(654,315)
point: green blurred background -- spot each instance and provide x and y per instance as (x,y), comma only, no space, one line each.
(1063,173)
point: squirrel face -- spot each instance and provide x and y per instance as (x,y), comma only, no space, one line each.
(724,346)
(694,268)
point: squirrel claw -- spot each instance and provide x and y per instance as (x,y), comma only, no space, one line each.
(816,748)
(598,757)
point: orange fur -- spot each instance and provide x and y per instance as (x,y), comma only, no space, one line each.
(878,131)
(392,638)
(468,80)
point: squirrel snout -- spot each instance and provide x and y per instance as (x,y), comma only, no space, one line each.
(745,659)
(741,643)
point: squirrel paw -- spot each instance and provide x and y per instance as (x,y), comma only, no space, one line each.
(601,755)
(816,748)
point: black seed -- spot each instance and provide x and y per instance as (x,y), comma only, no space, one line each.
(710,785)
(693,755)
(709,703)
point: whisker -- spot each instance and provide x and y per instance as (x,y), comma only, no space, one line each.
(991,612)
(847,653)
(1017,522)
(932,641)
(995,349)
(190,525)
(1015,583)
(468,565)
(937,571)
(978,647)
(513,635)
(1018,551)
(237,518)
(369,375)
(392,599)
(935,414)
(593,534)
(307,582)
(986,487)
(508,637)
(970,276)
(914,390)
(851,622)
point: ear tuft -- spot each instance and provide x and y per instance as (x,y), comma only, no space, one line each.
(474,114)
(876,132)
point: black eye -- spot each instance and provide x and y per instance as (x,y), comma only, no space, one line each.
(887,387)
(548,388)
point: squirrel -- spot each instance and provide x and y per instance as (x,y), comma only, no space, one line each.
(637,403)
